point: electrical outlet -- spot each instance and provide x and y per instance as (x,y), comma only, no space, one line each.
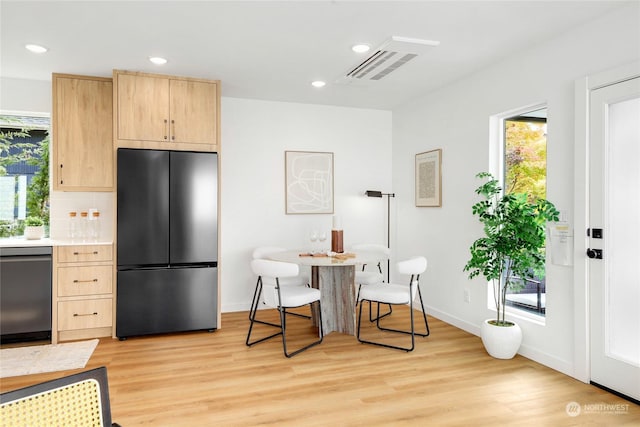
(467,296)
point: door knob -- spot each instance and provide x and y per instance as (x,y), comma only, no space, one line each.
(594,253)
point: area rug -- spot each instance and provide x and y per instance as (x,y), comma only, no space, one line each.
(45,358)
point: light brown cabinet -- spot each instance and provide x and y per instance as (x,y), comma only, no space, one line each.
(83,292)
(82,141)
(165,112)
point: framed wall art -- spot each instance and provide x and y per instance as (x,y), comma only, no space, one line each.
(429,178)
(308,182)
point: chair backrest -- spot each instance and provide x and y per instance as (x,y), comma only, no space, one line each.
(270,270)
(80,400)
(413,265)
(273,269)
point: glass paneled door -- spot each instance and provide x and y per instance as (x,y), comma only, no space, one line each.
(614,237)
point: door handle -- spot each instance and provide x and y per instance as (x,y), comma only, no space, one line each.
(594,253)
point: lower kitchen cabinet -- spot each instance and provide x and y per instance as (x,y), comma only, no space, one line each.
(83,292)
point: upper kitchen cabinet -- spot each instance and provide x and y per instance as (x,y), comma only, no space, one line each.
(165,112)
(82,142)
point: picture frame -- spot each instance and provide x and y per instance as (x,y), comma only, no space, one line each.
(428,171)
(308,182)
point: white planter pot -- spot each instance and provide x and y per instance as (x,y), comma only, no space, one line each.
(501,342)
(32,232)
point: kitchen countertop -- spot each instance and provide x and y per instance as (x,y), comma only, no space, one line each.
(21,242)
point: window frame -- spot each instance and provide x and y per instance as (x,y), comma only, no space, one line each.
(497,167)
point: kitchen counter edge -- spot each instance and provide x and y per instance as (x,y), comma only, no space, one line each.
(22,243)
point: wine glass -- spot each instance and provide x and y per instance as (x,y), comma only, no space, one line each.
(321,238)
(313,236)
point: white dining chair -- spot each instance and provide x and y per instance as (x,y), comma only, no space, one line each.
(300,279)
(282,298)
(397,294)
(367,276)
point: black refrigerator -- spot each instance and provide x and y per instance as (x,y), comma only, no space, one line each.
(167,250)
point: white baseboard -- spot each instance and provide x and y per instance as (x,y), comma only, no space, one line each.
(525,351)
(454,321)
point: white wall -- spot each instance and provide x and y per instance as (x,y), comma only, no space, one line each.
(255,135)
(456,119)
(25,95)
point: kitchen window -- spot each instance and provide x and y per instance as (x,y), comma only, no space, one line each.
(24,171)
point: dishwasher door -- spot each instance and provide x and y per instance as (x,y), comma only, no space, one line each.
(25,293)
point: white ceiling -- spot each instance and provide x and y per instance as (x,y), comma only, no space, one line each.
(273,50)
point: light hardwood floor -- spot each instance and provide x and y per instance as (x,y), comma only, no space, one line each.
(213,379)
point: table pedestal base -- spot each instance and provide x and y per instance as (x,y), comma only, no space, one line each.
(336,285)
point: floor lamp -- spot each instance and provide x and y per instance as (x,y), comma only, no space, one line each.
(370,193)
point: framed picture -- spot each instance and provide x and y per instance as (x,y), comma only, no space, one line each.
(308,182)
(429,178)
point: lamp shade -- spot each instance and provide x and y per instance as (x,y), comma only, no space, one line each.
(371,193)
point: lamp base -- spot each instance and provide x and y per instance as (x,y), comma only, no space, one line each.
(337,241)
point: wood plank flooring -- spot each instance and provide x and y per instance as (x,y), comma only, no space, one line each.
(213,379)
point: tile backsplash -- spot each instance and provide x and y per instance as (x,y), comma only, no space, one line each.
(62,202)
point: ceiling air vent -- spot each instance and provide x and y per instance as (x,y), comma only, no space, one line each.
(391,55)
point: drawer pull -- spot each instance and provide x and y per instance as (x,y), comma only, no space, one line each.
(85,281)
(86,253)
(86,314)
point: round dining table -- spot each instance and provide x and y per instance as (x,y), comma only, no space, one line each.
(333,275)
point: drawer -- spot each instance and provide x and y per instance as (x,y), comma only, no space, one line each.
(85,253)
(89,280)
(85,314)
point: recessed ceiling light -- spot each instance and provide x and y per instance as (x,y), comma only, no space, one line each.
(360,48)
(318,83)
(158,60)
(35,48)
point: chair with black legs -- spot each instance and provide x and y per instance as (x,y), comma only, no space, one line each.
(397,294)
(368,276)
(282,298)
(300,279)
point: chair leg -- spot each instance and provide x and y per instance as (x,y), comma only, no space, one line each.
(283,319)
(424,315)
(256,297)
(412,332)
(378,316)
(390,307)
(252,317)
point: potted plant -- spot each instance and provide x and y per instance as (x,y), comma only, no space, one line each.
(34,228)
(511,251)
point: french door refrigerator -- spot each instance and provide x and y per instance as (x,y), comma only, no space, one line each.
(167,249)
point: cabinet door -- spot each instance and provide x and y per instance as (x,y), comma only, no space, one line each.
(143,108)
(193,111)
(82,133)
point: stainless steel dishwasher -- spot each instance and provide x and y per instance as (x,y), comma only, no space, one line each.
(25,293)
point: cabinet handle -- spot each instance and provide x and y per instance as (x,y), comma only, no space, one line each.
(61,178)
(86,253)
(85,281)
(173,130)
(95,313)
(166,128)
